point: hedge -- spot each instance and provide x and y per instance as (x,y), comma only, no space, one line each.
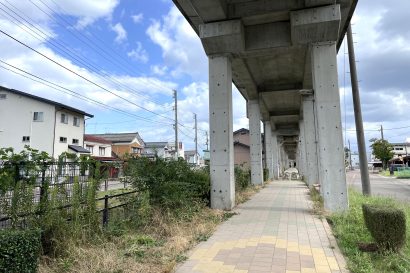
(19,251)
(387,225)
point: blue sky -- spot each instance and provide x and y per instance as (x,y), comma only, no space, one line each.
(138,50)
(152,50)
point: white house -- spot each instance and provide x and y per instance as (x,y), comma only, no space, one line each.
(162,149)
(42,124)
(99,147)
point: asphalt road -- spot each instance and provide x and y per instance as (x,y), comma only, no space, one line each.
(381,185)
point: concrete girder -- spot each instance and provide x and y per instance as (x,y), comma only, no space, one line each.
(315,25)
(211,10)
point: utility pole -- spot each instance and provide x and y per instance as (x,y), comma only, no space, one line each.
(196,140)
(206,134)
(361,145)
(350,156)
(176,124)
(381,131)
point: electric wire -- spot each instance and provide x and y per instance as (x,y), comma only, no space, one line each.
(63,48)
(73,93)
(79,75)
(109,57)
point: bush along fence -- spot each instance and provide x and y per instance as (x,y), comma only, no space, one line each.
(44,202)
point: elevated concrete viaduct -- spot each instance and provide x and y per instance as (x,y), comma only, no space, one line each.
(281,55)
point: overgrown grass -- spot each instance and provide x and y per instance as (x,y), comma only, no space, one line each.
(157,246)
(349,229)
(146,236)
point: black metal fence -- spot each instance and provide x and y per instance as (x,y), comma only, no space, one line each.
(37,182)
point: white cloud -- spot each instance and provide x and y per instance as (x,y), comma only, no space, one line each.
(120,31)
(181,48)
(137,18)
(138,53)
(159,70)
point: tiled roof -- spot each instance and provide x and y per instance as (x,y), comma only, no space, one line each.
(156,144)
(96,139)
(78,149)
(121,137)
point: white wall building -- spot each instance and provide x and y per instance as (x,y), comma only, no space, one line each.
(42,124)
(99,147)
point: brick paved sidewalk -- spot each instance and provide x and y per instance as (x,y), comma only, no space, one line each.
(273,232)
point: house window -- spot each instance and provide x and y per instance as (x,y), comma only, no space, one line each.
(64,118)
(102,151)
(26,138)
(63,139)
(135,150)
(90,148)
(75,141)
(3,96)
(76,121)
(38,116)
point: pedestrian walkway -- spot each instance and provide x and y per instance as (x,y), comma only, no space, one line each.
(275,231)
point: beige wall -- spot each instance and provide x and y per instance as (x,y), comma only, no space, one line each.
(242,156)
(242,137)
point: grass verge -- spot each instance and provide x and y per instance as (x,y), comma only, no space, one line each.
(155,247)
(349,230)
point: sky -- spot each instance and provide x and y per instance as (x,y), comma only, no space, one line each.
(133,53)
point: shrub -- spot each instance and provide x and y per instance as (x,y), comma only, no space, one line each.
(242,178)
(387,225)
(170,184)
(19,251)
(265,174)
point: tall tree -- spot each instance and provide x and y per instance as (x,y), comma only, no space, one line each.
(382,150)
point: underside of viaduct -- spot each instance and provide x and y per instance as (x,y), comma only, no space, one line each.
(281,55)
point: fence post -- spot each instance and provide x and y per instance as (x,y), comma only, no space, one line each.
(43,189)
(105,211)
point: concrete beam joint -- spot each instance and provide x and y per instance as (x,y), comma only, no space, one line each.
(223,37)
(315,24)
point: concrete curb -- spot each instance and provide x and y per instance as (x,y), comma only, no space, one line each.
(338,254)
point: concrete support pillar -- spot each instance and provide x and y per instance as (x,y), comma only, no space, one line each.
(302,160)
(275,155)
(256,142)
(268,149)
(329,126)
(221,137)
(310,140)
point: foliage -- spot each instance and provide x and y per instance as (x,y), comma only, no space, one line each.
(382,150)
(19,251)
(387,225)
(242,178)
(171,184)
(349,229)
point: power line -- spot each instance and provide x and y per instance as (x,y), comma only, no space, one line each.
(90,42)
(73,93)
(81,76)
(66,50)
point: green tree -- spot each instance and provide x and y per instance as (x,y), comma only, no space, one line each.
(382,150)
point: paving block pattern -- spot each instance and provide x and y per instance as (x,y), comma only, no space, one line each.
(273,232)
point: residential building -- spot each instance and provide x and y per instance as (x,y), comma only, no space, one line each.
(242,150)
(42,124)
(160,149)
(192,158)
(401,153)
(99,147)
(124,143)
(181,149)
